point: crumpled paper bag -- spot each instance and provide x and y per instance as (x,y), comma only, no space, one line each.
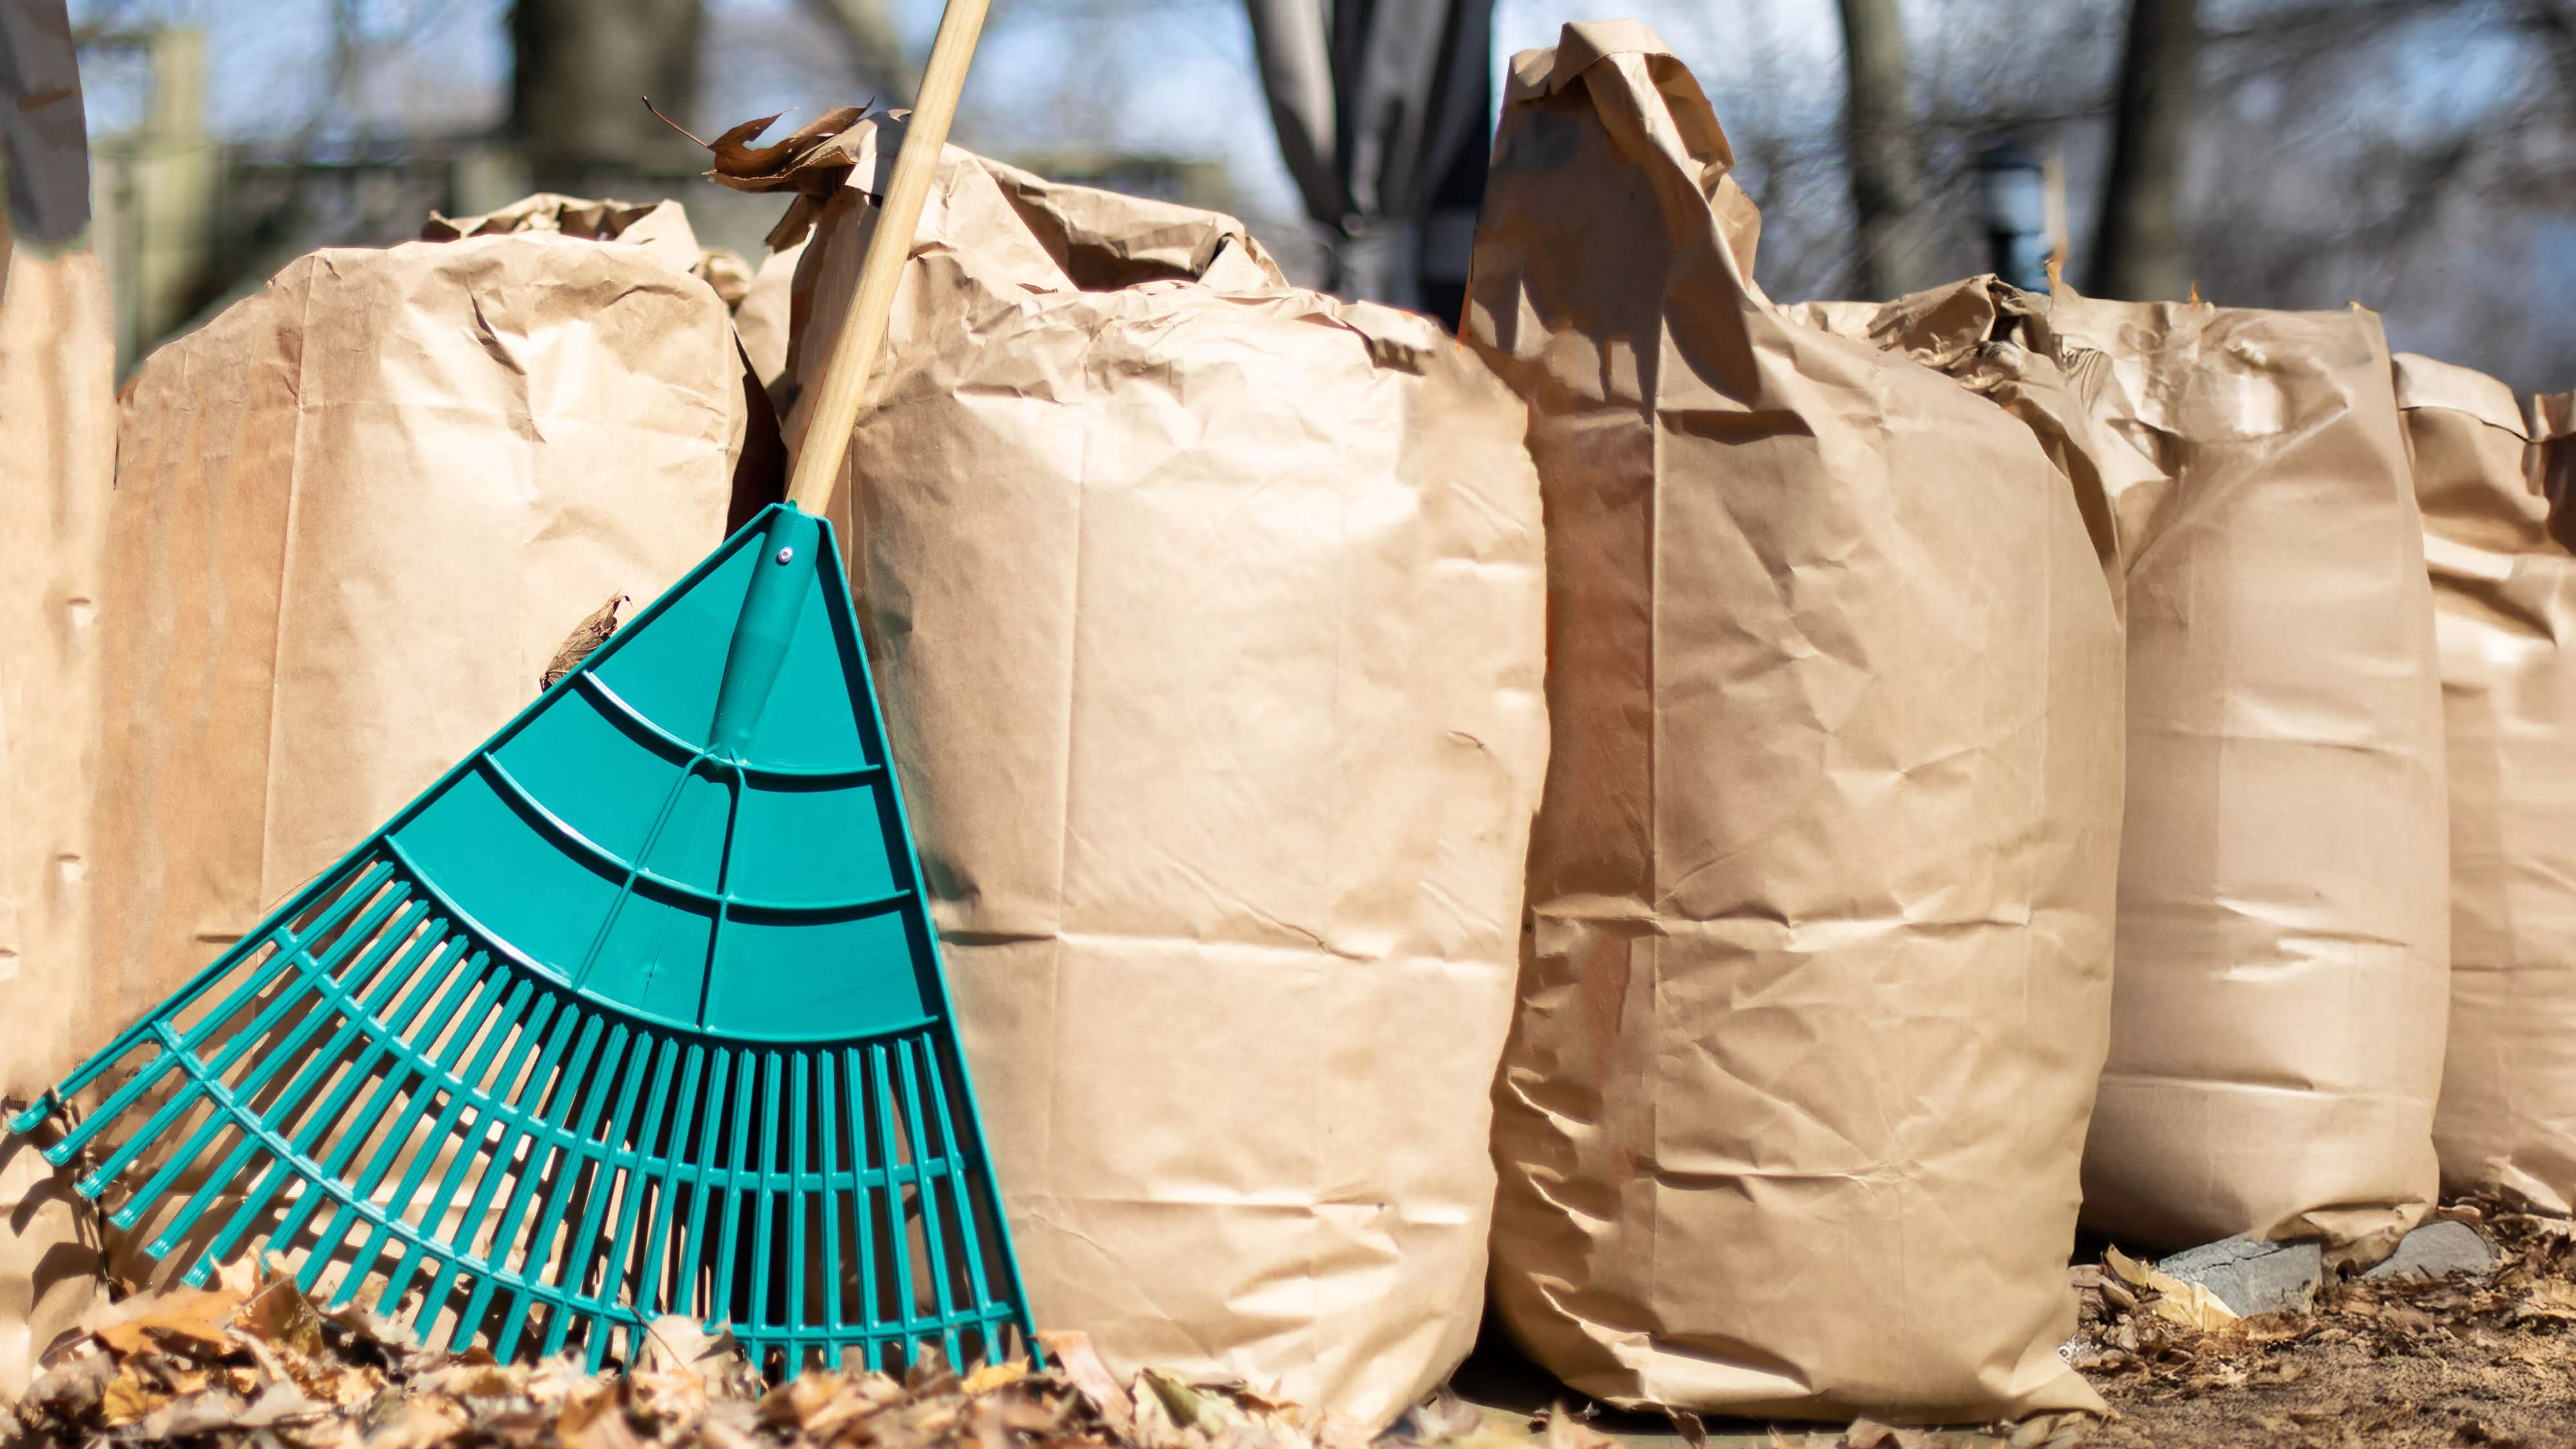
(355,515)
(1207,614)
(2504,599)
(2283,972)
(1819,975)
(57,464)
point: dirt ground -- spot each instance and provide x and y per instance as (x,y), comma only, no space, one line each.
(2484,1362)
(2388,1363)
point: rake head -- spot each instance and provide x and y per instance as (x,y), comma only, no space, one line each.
(638,1011)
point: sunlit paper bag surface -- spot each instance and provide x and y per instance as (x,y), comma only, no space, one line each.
(2283,932)
(1208,618)
(57,462)
(355,515)
(2504,598)
(1819,979)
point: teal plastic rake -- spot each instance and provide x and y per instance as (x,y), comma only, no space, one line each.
(594,1031)
(637,1011)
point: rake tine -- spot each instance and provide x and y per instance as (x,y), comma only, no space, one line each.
(925,1175)
(521,1036)
(863,1201)
(372,950)
(188,1154)
(365,952)
(151,1028)
(353,1129)
(639,1181)
(797,1167)
(710,1124)
(80,1134)
(543,1155)
(653,1290)
(364,933)
(605,1175)
(731,1208)
(474,970)
(497,1165)
(906,1307)
(827,1107)
(766,1197)
(962,1190)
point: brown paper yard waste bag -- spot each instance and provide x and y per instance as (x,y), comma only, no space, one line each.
(57,465)
(355,515)
(2553,460)
(1208,617)
(2504,598)
(57,462)
(1818,980)
(2283,932)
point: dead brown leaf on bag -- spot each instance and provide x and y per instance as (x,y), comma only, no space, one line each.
(735,156)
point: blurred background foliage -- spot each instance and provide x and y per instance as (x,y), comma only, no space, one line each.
(2418,156)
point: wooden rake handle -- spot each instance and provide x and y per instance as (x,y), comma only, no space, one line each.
(844,385)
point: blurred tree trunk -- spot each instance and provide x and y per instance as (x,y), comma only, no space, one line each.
(576,98)
(867,30)
(2138,251)
(1886,162)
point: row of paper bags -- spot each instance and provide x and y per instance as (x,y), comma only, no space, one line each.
(1230,637)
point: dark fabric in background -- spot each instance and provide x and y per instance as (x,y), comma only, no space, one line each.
(44,135)
(1384,113)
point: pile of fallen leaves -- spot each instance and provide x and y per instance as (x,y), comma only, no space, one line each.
(257,1365)
(2486,1360)
(254,1364)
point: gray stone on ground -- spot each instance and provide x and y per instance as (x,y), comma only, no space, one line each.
(2437,1250)
(2250,1275)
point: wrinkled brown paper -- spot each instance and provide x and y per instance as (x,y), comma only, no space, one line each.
(1208,618)
(1821,890)
(355,515)
(57,463)
(2504,596)
(2283,933)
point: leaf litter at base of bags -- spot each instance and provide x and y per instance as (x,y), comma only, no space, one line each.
(2468,1359)
(254,1364)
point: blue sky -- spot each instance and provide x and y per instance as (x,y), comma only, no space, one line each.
(1167,76)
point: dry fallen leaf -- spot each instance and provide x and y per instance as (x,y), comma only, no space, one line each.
(993,1376)
(2190,1304)
(1080,1363)
(1564,1431)
(195,1316)
(126,1399)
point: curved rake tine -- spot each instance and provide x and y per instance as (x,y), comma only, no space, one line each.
(173,1054)
(365,953)
(483,986)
